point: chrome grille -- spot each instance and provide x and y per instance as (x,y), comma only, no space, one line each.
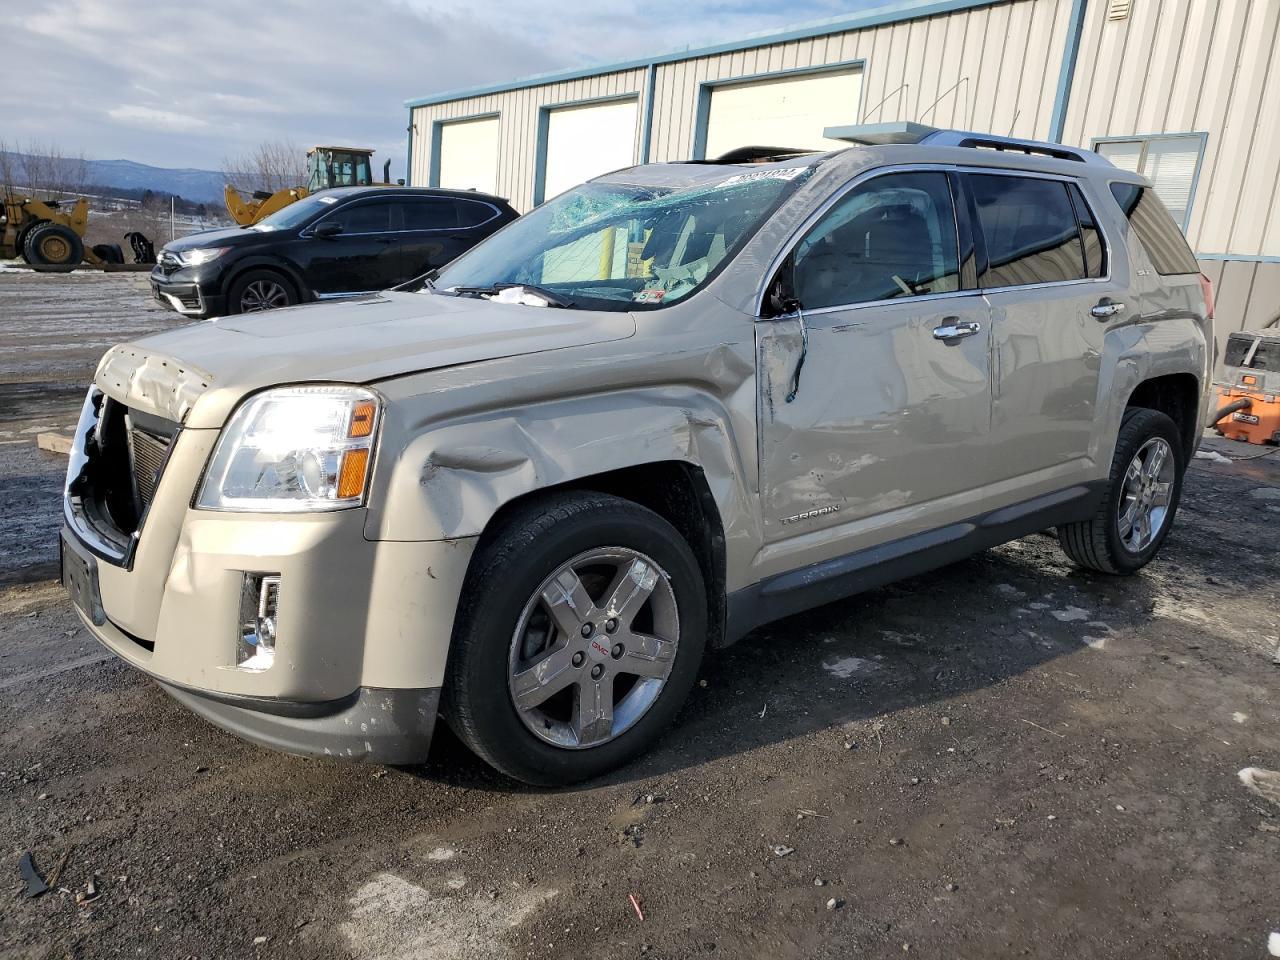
(148,453)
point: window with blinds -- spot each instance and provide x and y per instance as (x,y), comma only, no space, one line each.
(1169,162)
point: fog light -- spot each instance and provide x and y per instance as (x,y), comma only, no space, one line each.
(259,598)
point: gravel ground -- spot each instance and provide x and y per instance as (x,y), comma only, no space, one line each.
(1007,757)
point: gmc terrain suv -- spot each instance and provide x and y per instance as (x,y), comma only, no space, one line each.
(331,244)
(669,405)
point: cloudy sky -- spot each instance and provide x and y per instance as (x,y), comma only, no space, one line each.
(189,84)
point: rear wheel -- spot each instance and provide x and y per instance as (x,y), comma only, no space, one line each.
(578,638)
(260,290)
(1141,499)
(54,245)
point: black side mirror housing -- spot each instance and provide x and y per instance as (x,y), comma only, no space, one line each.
(326,230)
(782,297)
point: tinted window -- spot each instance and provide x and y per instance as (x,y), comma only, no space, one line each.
(472,214)
(1160,236)
(894,236)
(1030,229)
(430,214)
(363,218)
(1095,251)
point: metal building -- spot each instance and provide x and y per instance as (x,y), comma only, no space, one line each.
(1186,91)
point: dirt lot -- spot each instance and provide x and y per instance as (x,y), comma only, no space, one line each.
(1007,757)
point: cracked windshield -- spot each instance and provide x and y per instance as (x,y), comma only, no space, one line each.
(609,246)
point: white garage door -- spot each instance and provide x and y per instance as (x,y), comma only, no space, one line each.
(584,142)
(784,112)
(469,155)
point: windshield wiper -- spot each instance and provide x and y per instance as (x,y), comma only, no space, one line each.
(553,299)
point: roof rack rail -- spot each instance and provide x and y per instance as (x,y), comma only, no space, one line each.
(875,134)
(755,155)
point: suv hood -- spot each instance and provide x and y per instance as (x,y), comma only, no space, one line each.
(357,341)
(225,237)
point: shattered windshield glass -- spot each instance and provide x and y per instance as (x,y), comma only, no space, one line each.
(609,246)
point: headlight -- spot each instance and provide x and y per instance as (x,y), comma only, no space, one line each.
(193,258)
(293,449)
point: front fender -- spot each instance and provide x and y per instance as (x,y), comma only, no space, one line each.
(447,478)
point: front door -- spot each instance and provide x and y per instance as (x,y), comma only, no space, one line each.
(363,255)
(883,431)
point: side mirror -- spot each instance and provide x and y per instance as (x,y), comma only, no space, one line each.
(782,297)
(327,230)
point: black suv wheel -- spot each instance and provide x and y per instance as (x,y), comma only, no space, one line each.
(259,290)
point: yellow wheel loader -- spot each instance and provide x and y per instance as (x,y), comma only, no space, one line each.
(326,167)
(50,233)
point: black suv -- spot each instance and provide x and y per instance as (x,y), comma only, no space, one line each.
(333,243)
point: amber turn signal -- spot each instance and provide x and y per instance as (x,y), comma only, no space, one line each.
(351,476)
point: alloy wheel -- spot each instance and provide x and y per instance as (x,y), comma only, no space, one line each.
(593,648)
(263,295)
(1146,494)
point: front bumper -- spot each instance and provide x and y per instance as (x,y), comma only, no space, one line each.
(373,725)
(187,295)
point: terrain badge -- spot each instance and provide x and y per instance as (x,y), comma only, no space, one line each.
(810,514)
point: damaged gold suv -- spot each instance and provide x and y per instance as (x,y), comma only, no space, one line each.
(667,406)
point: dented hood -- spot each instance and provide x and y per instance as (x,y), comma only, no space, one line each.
(196,375)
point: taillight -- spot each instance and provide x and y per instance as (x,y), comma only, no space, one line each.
(1206,287)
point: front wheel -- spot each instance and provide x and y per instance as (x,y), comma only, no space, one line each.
(1142,495)
(579,635)
(260,290)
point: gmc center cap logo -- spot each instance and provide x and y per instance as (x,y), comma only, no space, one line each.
(598,650)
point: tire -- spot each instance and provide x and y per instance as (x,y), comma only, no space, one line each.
(20,241)
(502,621)
(53,245)
(108,252)
(259,290)
(1107,542)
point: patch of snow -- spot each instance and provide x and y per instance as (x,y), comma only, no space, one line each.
(1038,606)
(1009,590)
(1071,614)
(1095,643)
(1239,717)
(1273,943)
(393,919)
(1212,455)
(440,854)
(846,667)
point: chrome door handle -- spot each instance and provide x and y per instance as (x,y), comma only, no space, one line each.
(1106,309)
(953,328)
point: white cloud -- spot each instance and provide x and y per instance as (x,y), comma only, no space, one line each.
(153,119)
(203,82)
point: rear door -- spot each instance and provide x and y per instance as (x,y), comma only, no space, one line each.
(363,255)
(881,431)
(430,237)
(1055,288)
(438,229)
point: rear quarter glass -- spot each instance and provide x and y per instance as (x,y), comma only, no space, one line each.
(1156,228)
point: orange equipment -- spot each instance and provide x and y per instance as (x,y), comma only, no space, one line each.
(1250,388)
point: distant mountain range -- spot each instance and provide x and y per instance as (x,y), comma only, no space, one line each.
(201,186)
(198,186)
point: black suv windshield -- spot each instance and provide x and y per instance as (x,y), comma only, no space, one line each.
(296,213)
(610,246)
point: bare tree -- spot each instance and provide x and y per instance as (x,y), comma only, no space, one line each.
(42,170)
(270,166)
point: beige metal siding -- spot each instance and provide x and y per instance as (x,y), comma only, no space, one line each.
(518,116)
(1180,66)
(990,68)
